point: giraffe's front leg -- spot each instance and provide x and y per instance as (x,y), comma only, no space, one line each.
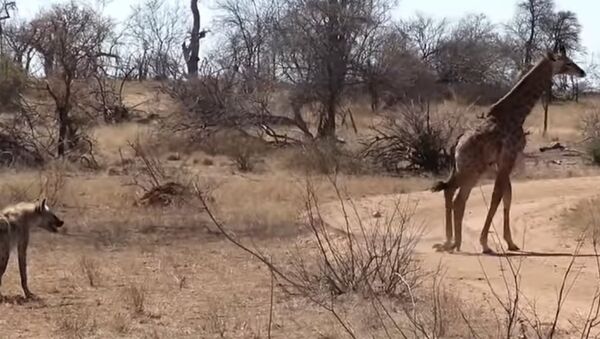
(506,201)
(496,197)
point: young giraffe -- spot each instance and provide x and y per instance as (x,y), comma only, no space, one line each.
(497,141)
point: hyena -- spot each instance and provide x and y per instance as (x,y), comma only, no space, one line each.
(16,222)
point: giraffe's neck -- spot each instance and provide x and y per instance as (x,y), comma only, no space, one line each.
(516,105)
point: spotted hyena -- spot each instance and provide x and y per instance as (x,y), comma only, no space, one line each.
(16,222)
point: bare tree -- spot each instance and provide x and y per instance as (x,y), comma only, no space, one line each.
(426,35)
(191,51)
(393,72)
(77,35)
(537,28)
(527,28)
(321,41)
(156,30)
(474,59)
(19,40)
(564,29)
(248,28)
(5,15)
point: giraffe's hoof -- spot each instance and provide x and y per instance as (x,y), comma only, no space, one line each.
(449,247)
(487,251)
(513,247)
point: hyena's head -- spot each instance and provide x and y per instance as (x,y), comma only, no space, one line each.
(46,219)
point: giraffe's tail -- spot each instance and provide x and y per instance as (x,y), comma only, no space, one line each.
(439,186)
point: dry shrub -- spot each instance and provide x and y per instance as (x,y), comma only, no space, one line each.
(374,256)
(16,151)
(135,295)
(12,83)
(593,149)
(442,313)
(414,138)
(90,270)
(590,129)
(108,99)
(372,260)
(159,187)
(51,184)
(363,257)
(77,325)
(323,157)
(162,195)
(242,148)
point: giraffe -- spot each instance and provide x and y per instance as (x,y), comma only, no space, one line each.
(496,142)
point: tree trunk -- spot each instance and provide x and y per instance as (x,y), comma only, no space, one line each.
(191,52)
(546,98)
(62,130)
(327,121)
(48,64)
(374,94)
(335,68)
(574,89)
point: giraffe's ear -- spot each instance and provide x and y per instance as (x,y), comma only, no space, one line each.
(562,50)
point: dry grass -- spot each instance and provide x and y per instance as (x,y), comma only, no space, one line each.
(584,215)
(90,270)
(270,206)
(135,296)
(563,122)
(320,159)
(52,184)
(77,325)
(110,140)
(121,323)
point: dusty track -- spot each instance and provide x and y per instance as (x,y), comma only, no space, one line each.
(537,229)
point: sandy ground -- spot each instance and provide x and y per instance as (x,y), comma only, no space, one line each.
(545,246)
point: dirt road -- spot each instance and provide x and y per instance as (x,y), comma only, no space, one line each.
(537,228)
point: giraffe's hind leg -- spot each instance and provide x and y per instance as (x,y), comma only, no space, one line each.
(459,205)
(448,197)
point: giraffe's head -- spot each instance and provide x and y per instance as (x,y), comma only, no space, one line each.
(562,64)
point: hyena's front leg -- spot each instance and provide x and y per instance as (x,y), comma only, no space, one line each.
(4,254)
(22,249)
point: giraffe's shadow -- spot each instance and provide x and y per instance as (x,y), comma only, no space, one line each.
(18,300)
(527,254)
